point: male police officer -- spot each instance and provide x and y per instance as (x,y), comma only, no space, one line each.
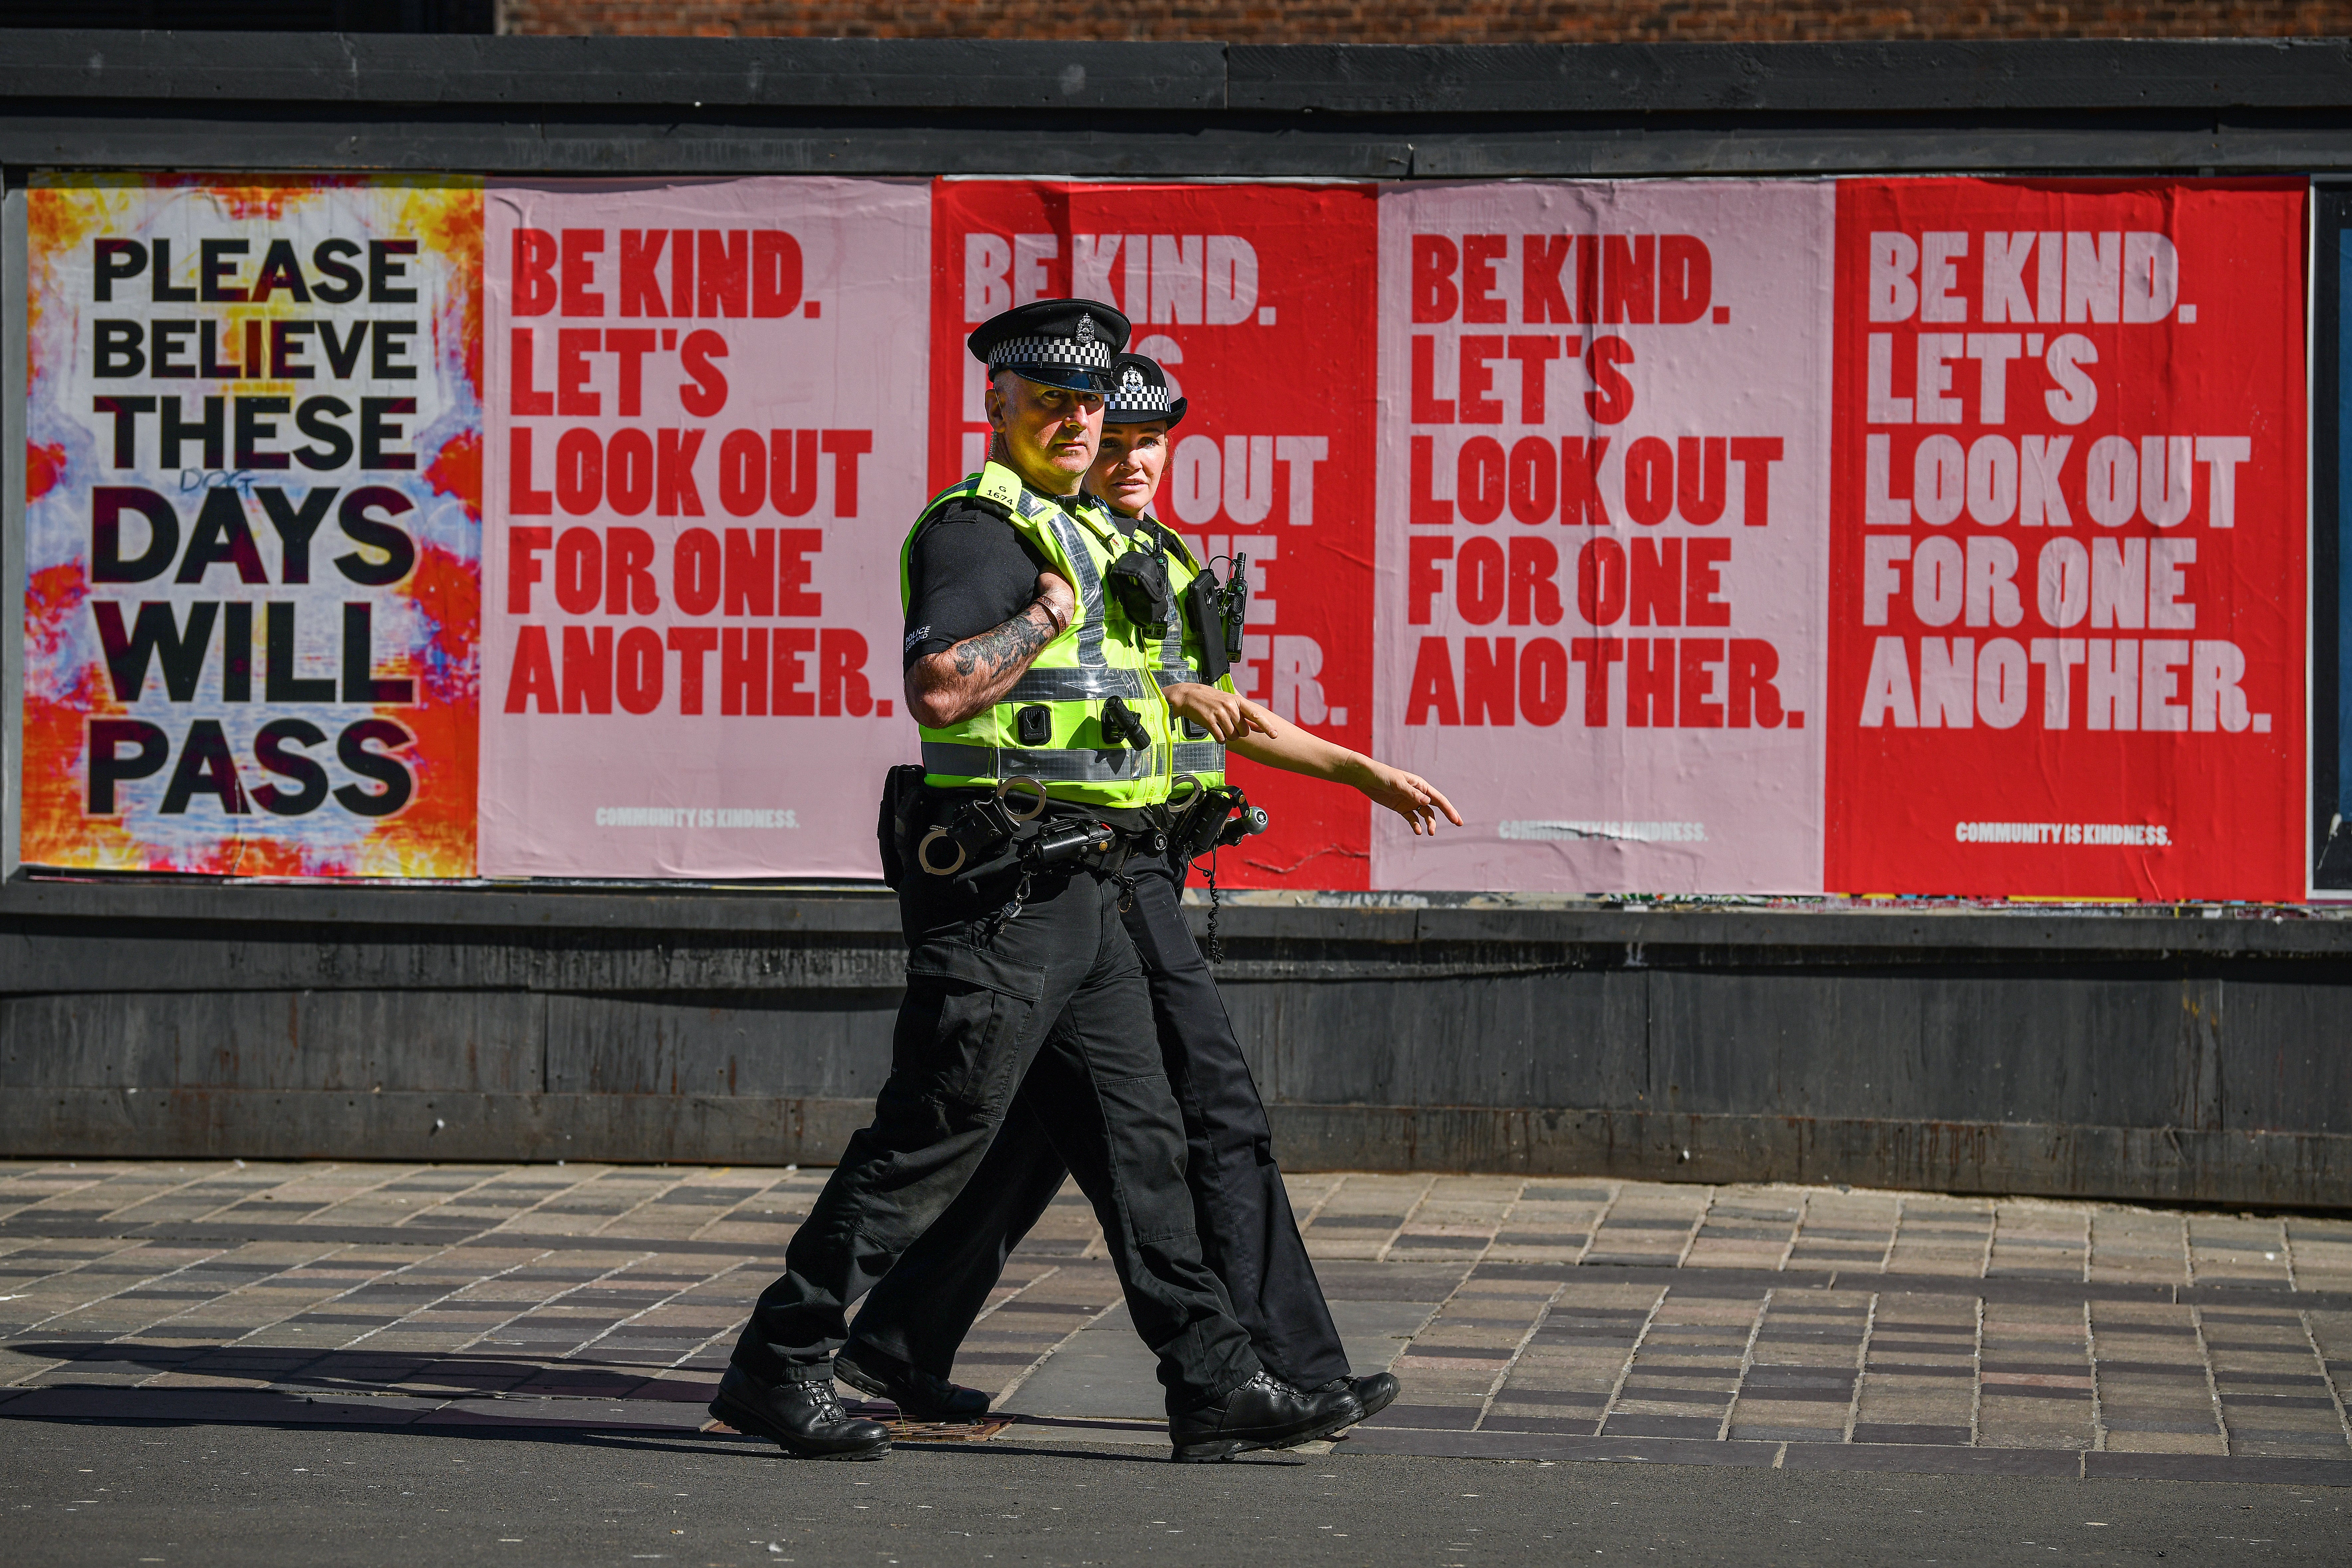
(1041,728)
(904,1343)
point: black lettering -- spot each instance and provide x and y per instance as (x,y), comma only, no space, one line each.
(328,259)
(158,279)
(222,535)
(350,750)
(109,767)
(359,682)
(342,358)
(391,343)
(386,271)
(316,419)
(286,361)
(375,429)
(212,431)
(111,262)
(154,633)
(279,270)
(272,748)
(253,428)
(170,338)
(278,681)
(206,767)
(107,505)
(208,363)
(217,262)
(376,533)
(115,351)
(295,525)
(236,653)
(126,411)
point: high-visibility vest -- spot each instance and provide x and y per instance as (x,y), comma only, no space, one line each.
(1101,654)
(1176,658)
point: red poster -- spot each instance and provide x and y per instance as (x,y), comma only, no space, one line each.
(2066,581)
(1259,301)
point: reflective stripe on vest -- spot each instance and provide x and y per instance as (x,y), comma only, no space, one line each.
(1046,764)
(1200,758)
(1077,685)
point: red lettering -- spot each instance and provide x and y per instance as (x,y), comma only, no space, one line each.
(1650,682)
(521,500)
(846,447)
(1541,257)
(1649,481)
(535,251)
(793,571)
(525,400)
(725,263)
(793,646)
(1476,381)
(1479,479)
(1629,265)
(1427,509)
(523,547)
(1580,482)
(572,347)
(1657,581)
(1480,252)
(674,457)
(587,668)
(742,473)
(1543,681)
(744,666)
(750,572)
(1686,277)
(532,679)
(1479,575)
(1534,565)
(1755,455)
(692,645)
(776,273)
(639,669)
(1486,680)
(1433,685)
(1611,397)
(1434,260)
(1600,580)
(1428,408)
(1535,355)
(1699,479)
(629,588)
(792,471)
(1596,654)
(1703,562)
(841,673)
(1754,663)
(694,572)
(641,250)
(630,345)
(1424,578)
(581,247)
(1698,653)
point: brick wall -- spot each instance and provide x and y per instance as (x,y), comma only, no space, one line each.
(1417,22)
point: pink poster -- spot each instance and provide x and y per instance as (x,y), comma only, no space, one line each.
(707,439)
(1603,532)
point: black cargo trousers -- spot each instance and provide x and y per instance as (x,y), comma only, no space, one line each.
(1055,998)
(921,1312)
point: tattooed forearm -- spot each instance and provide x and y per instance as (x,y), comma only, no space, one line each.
(1013,643)
(951,687)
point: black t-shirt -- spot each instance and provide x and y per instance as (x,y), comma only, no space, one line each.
(970,573)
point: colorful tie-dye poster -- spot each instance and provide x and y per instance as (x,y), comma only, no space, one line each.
(253,525)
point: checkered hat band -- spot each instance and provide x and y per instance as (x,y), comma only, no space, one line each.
(1143,399)
(1015,353)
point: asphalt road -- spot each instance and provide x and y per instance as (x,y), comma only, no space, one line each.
(119,1495)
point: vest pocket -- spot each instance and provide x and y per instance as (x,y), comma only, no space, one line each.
(964,1012)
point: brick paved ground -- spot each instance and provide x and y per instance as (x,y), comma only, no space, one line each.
(1551,1317)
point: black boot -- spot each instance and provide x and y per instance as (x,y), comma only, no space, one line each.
(1375,1393)
(919,1396)
(802,1418)
(1263,1413)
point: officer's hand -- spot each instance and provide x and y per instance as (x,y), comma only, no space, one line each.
(1054,593)
(1221,714)
(1410,795)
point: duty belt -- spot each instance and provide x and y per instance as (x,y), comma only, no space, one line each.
(1048,764)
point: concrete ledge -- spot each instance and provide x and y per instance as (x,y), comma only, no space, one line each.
(2134,1163)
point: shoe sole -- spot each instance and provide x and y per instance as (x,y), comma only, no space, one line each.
(865,1382)
(1222,1449)
(744,1419)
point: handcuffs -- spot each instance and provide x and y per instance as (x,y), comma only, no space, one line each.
(989,834)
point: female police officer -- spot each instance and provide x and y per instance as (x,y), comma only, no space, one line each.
(905,1340)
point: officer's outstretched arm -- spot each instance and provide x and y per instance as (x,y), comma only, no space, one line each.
(1284,746)
(948,687)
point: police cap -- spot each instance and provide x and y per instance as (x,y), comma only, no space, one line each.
(1140,394)
(1060,342)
